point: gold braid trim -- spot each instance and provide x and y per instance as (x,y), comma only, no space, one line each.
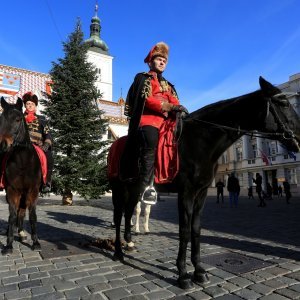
(147,88)
(174,93)
(164,87)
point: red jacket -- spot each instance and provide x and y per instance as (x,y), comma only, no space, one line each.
(155,93)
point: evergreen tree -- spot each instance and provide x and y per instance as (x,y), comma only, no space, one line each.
(76,122)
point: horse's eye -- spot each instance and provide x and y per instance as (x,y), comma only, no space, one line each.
(18,120)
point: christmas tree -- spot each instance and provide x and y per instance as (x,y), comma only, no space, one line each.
(76,122)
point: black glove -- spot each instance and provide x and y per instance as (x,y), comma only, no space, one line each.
(180,108)
(45,146)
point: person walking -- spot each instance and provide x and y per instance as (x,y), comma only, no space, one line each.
(220,190)
(258,182)
(150,103)
(250,192)
(279,191)
(287,191)
(233,188)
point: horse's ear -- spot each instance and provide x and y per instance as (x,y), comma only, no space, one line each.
(3,103)
(267,87)
(19,104)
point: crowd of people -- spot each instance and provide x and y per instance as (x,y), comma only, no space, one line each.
(233,188)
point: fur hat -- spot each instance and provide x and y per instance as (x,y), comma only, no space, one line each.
(29,96)
(160,49)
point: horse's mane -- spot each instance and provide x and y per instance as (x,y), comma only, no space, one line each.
(209,110)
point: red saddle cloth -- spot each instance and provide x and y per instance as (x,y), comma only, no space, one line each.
(167,162)
(43,160)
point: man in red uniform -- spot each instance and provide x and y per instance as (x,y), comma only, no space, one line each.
(39,133)
(151,100)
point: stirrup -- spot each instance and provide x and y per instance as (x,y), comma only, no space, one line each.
(149,196)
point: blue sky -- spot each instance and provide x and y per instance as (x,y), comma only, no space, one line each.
(218,48)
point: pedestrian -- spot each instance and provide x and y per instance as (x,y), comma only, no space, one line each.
(39,133)
(250,193)
(151,101)
(220,190)
(233,188)
(258,182)
(269,191)
(279,191)
(287,191)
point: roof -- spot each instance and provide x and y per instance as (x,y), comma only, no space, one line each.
(38,82)
(30,81)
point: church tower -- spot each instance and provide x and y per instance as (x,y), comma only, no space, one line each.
(99,56)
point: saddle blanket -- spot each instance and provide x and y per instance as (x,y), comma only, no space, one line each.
(166,163)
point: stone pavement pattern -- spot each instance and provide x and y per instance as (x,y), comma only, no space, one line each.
(66,268)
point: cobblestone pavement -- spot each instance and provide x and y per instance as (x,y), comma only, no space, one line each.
(249,253)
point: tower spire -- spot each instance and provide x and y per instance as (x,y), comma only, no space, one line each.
(95,42)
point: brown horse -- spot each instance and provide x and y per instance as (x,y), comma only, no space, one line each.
(22,173)
(206,134)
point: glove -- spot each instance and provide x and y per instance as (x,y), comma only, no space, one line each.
(180,108)
(166,106)
(45,146)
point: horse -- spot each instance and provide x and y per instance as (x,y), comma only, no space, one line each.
(206,133)
(22,173)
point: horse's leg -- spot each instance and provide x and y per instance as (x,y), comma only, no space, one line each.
(33,221)
(138,210)
(13,202)
(118,202)
(185,209)
(20,220)
(146,218)
(200,275)
(133,198)
(31,201)
(20,224)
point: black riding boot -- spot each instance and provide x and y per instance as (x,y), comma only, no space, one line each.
(148,192)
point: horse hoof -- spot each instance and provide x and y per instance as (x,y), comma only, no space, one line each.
(36,246)
(201,278)
(130,248)
(185,283)
(7,250)
(147,232)
(22,238)
(118,257)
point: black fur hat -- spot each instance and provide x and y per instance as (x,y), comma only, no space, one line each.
(29,96)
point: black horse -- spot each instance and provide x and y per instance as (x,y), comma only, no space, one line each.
(22,173)
(206,134)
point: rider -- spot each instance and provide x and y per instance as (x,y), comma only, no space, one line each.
(151,100)
(39,133)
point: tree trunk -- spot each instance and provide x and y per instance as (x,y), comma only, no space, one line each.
(67,198)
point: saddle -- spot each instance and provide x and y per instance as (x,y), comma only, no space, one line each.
(43,160)
(166,163)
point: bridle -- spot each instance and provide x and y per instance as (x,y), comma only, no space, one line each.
(285,132)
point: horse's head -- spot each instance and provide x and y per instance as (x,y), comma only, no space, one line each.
(12,126)
(281,118)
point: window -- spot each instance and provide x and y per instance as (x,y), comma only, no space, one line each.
(239,150)
(273,148)
(291,175)
(224,158)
